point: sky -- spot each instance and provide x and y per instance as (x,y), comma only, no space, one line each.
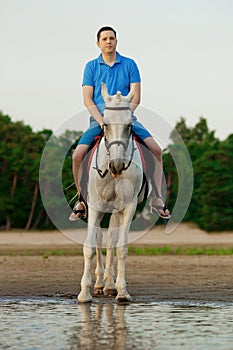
(183,48)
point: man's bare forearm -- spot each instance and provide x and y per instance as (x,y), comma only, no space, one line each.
(93,110)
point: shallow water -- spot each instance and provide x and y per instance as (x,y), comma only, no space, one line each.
(33,324)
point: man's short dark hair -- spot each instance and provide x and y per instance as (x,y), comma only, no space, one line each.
(103,29)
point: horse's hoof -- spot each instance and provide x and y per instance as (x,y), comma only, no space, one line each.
(110,292)
(84,298)
(123,298)
(86,301)
(98,291)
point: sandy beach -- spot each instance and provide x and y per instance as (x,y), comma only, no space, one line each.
(149,278)
(183,235)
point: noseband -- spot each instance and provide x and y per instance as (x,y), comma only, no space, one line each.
(116,142)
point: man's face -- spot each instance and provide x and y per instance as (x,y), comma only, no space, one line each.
(107,42)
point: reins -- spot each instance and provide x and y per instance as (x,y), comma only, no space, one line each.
(99,171)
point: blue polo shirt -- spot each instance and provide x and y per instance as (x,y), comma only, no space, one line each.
(118,77)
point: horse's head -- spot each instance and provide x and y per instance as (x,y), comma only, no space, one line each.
(117,124)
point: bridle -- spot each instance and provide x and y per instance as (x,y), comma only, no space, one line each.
(116,142)
(108,145)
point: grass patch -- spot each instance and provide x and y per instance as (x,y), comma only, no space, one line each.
(166,250)
(133,251)
(45,253)
(150,250)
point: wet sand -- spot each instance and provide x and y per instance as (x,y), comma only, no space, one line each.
(149,278)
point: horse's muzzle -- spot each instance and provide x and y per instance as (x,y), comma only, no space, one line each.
(116,167)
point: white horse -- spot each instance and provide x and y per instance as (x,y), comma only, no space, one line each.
(114,183)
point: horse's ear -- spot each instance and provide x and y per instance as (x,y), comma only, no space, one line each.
(131,94)
(104,92)
(118,97)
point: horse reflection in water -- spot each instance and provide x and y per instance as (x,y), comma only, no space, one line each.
(103,326)
(115,181)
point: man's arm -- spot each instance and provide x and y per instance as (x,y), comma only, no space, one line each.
(137,96)
(90,105)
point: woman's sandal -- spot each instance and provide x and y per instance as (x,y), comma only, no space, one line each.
(159,208)
(78,214)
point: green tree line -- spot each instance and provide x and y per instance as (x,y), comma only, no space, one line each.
(21,148)
(211,206)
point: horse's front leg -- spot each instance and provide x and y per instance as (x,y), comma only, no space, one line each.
(99,271)
(88,252)
(86,281)
(122,252)
(122,294)
(109,289)
(109,276)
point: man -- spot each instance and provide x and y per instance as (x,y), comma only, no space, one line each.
(119,74)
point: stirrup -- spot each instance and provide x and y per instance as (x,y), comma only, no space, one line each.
(82,212)
(156,209)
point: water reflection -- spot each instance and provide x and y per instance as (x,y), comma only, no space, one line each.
(60,324)
(102,326)
(149,326)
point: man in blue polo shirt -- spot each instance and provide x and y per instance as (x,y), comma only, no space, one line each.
(119,73)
